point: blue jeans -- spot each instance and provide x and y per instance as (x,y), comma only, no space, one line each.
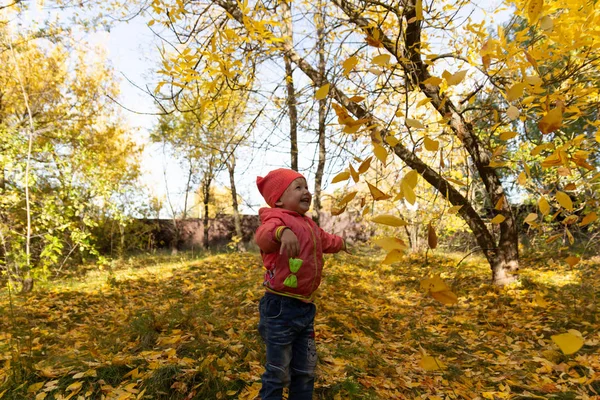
(287,328)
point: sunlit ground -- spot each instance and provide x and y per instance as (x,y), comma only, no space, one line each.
(175,328)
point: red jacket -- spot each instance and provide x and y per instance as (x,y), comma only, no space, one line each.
(313,241)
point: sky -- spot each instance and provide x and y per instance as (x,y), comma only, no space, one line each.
(132,50)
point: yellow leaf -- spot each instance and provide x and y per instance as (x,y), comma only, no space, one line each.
(366,210)
(572,261)
(74,386)
(354,174)
(430,144)
(342,176)
(419,9)
(392,140)
(409,194)
(40,396)
(429,363)
(553,160)
(534,9)
(454,209)
(392,257)
(569,236)
(387,219)
(390,243)
(551,121)
(432,239)
(456,181)
(364,166)
(337,211)
(349,64)
(486,58)
(498,219)
(568,342)
(356,99)
(588,219)
(378,194)
(322,92)
(539,148)
(530,218)
(515,91)
(433,80)
(446,297)
(411,178)
(381,60)
(423,102)
(380,152)
(539,299)
(35,387)
(507,135)
(499,204)
(434,284)
(546,23)
(544,206)
(454,79)
(513,113)
(413,123)
(522,178)
(564,200)
(346,199)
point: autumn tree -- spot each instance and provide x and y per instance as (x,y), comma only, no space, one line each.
(418,100)
(66,152)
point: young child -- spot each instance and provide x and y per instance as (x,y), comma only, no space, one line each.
(292,248)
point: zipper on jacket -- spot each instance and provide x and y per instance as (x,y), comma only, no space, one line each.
(312,233)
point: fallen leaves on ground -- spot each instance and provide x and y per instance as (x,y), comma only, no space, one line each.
(187,330)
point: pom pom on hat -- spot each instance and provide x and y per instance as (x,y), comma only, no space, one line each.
(272,186)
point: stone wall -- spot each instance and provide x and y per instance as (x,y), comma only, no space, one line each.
(222,229)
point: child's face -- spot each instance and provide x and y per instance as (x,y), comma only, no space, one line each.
(296,197)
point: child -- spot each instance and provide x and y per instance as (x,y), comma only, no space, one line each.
(292,248)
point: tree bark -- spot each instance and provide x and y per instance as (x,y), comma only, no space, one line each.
(289,80)
(205,223)
(234,203)
(320,22)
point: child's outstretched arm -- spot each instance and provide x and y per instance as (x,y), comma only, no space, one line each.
(331,243)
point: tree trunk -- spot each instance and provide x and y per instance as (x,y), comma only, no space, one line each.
(236,214)
(291,92)
(205,223)
(320,22)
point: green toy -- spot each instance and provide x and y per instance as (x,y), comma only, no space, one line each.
(291,280)
(295,264)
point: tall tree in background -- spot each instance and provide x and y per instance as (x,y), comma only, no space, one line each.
(320,16)
(288,32)
(65,155)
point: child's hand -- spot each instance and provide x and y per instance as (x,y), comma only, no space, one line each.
(289,244)
(347,246)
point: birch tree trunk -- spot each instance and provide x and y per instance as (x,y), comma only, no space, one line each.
(320,22)
(289,80)
(234,203)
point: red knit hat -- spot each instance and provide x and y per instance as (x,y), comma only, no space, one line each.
(275,183)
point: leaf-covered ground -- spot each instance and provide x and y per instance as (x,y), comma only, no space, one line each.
(187,330)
